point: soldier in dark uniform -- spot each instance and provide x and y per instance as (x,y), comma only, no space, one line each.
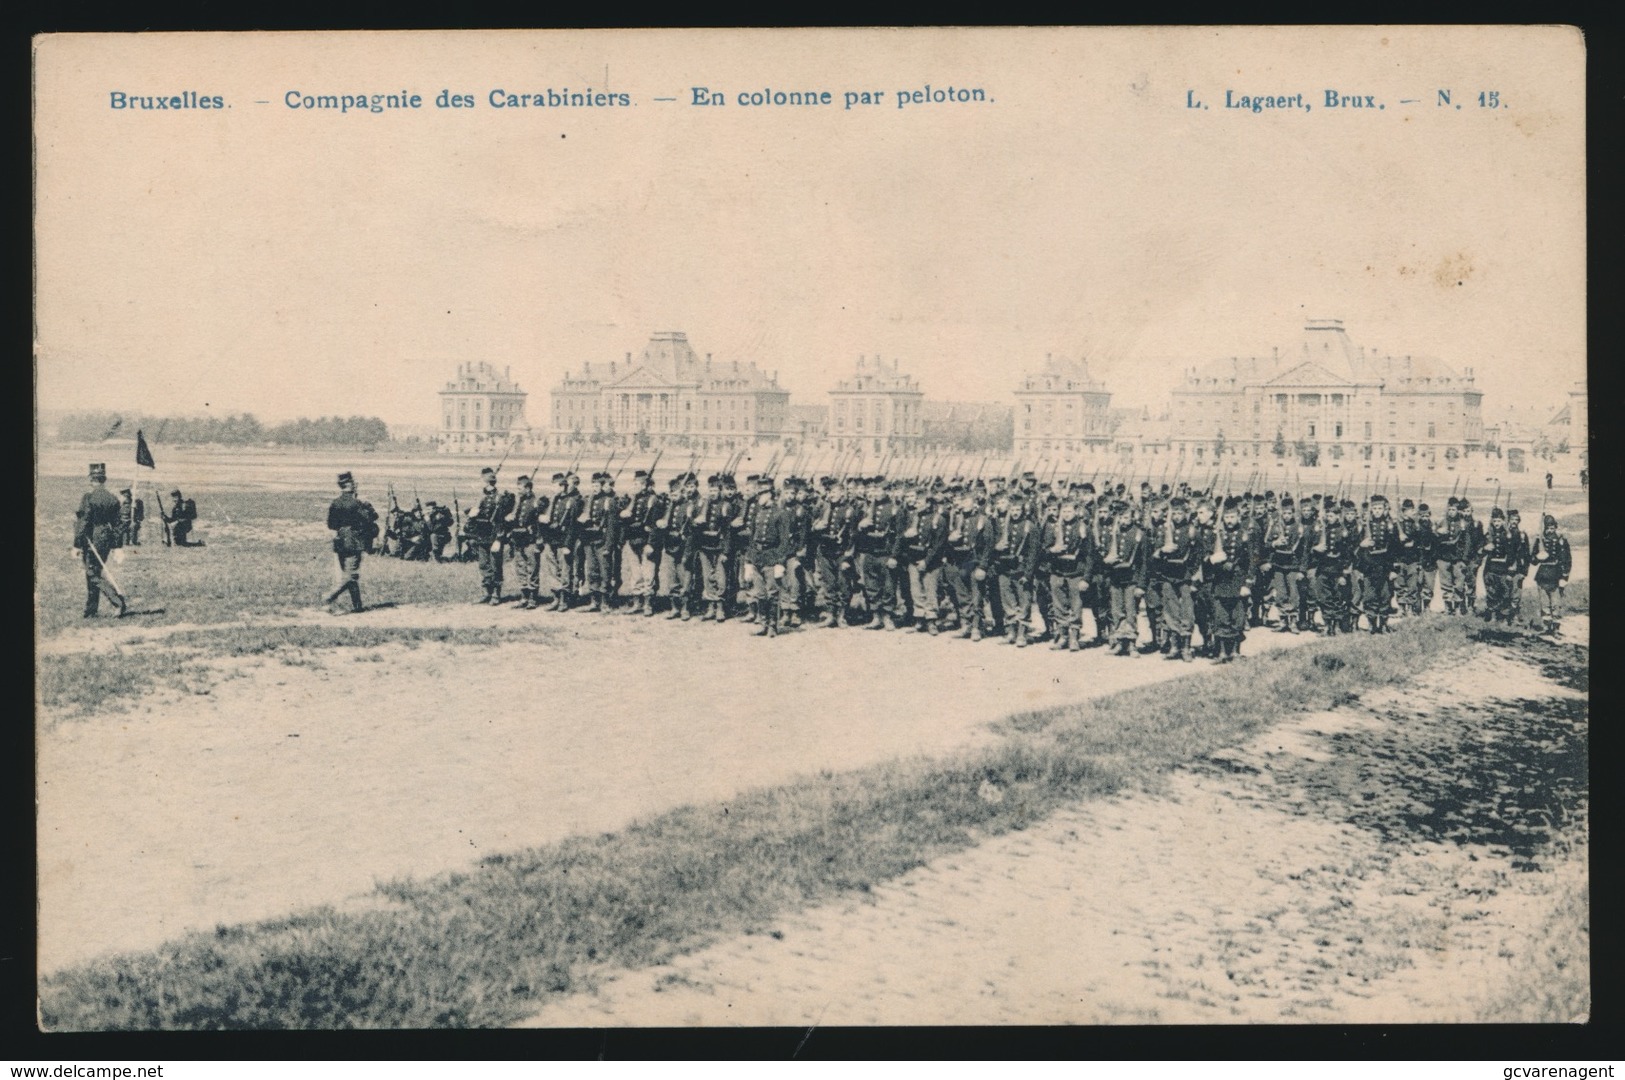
(1068,559)
(1475,551)
(96,535)
(766,554)
(1519,568)
(355,527)
(1454,547)
(830,537)
(488,522)
(558,532)
(437,526)
(1096,516)
(1334,575)
(1375,561)
(969,551)
(180,519)
(524,541)
(1553,560)
(711,540)
(873,545)
(921,544)
(1015,560)
(1174,570)
(1229,570)
(740,512)
(668,533)
(643,508)
(1156,514)
(1498,561)
(597,535)
(1407,560)
(1427,548)
(1284,562)
(1123,560)
(126,517)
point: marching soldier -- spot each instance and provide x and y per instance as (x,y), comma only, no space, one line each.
(1284,559)
(597,535)
(1553,561)
(1203,528)
(1427,546)
(524,535)
(355,528)
(969,552)
(921,549)
(488,522)
(675,578)
(771,544)
(558,529)
(1124,563)
(1499,559)
(711,539)
(1015,560)
(1329,556)
(1175,575)
(873,545)
(1410,550)
(96,534)
(830,538)
(642,509)
(1520,561)
(1156,516)
(1229,569)
(1378,547)
(1454,547)
(1069,561)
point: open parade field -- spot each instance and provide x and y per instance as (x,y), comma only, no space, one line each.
(253,814)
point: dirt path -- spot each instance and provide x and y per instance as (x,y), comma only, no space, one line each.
(1265,884)
(303,777)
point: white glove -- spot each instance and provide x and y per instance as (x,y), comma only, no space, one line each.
(496,545)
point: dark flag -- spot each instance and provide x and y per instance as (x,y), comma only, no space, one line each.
(143,456)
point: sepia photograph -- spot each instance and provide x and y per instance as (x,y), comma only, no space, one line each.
(849,528)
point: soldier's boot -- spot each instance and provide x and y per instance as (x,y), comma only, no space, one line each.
(772,618)
(750,613)
(1021,635)
(933,627)
(649,608)
(758,614)
(722,611)
(642,606)
(355,598)
(892,623)
(596,605)
(827,619)
(1185,652)
(878,622)
(485,595)
(1382,624)
(1010,633)
(976,629)
(93,601)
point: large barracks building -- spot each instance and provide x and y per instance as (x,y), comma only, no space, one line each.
(1324,399)
(1330,396)
(666,396)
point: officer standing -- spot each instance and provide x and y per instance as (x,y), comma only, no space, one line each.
(95,536)
(487,528)
(355,526)
(525,524)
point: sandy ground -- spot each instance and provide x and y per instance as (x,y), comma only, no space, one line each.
(1225,898)
(303,779)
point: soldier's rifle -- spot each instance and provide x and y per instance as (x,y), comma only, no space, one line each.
(508,450)
(456,525)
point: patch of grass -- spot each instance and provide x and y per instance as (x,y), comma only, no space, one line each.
(82,684)
(261,640)
(1551,971)
(482,947)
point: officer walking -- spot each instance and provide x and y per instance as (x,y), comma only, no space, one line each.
(95,536)
(355,527)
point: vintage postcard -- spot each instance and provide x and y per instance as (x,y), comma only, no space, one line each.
(811,527)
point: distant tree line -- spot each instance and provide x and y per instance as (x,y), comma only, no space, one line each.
(244,430)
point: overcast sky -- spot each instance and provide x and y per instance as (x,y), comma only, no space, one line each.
(292,262)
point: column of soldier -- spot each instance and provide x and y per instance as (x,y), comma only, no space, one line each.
(977,556)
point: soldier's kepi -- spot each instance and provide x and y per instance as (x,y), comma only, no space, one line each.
(96,535)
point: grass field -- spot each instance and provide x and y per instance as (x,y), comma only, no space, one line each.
(481,948)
